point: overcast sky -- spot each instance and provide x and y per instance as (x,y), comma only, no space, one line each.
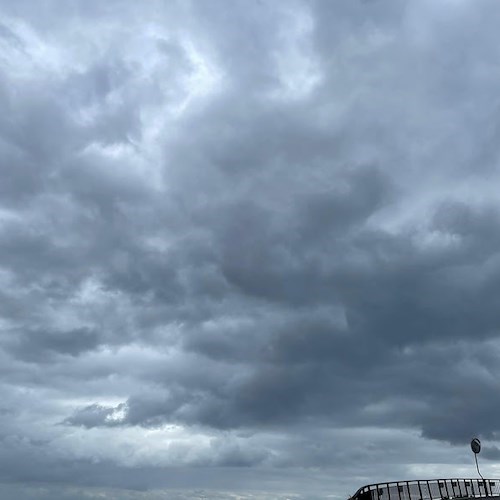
(247,247)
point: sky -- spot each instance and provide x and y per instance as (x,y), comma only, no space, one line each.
(249,249)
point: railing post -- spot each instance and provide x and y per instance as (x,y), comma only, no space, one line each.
(429,489)
(446,488)
(420,490)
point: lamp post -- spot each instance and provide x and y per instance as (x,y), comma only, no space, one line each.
(475,446)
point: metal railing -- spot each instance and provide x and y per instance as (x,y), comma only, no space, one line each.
(429,489)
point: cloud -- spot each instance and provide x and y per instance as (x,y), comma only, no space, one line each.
(246,236)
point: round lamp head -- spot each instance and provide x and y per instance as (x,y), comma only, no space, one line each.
(475,445)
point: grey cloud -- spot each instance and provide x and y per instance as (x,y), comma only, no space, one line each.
(314,364)
(39,345)
(93,415)
(255,224)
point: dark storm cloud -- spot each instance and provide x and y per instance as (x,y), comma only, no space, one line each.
(406,307)
(233,225)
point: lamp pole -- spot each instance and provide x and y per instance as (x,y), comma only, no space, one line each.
(475,445)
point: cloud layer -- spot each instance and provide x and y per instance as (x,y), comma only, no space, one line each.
(247,242)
